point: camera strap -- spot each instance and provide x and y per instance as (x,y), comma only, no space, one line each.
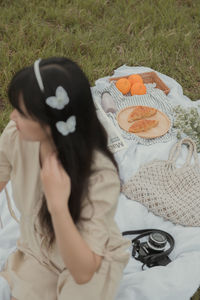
(150,260)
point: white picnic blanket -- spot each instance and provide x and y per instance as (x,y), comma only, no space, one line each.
(178,280)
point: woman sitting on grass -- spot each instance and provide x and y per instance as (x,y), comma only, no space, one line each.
(65,185)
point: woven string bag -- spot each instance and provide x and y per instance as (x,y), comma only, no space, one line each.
(168,191)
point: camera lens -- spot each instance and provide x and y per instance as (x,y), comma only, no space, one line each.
(157,241)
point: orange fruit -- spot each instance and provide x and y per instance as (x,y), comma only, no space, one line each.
(123,85)
(138,89)
(135,78)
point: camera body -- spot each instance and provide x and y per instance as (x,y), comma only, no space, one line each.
(155,251)
(152,252)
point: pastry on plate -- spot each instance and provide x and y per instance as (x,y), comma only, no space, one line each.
(141,112)
(143,125)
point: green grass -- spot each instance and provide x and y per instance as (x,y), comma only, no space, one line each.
(101,35)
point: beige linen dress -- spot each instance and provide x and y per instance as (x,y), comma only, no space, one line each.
(32,271)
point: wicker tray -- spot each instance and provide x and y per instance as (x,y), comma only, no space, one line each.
(149,77)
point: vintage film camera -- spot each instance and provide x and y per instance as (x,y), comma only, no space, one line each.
(154,251)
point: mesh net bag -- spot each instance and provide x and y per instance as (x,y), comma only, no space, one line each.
(168,191)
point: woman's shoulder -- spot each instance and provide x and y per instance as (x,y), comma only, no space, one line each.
(12,144)
(103,171)
(101,161)
(104,183)
(10,128)
(9,134)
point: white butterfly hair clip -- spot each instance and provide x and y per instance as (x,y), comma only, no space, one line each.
(59,100)
(66,127)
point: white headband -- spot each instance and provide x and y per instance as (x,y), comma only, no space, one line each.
(38,75)
(58,101)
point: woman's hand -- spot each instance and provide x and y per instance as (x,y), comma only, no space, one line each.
(56,184)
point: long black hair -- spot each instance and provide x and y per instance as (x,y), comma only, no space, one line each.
(75,151)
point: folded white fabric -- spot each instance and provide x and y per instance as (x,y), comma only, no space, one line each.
(181,278)
(168,191)
(9,233)
(4,289)
(10,228)
(178,280)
